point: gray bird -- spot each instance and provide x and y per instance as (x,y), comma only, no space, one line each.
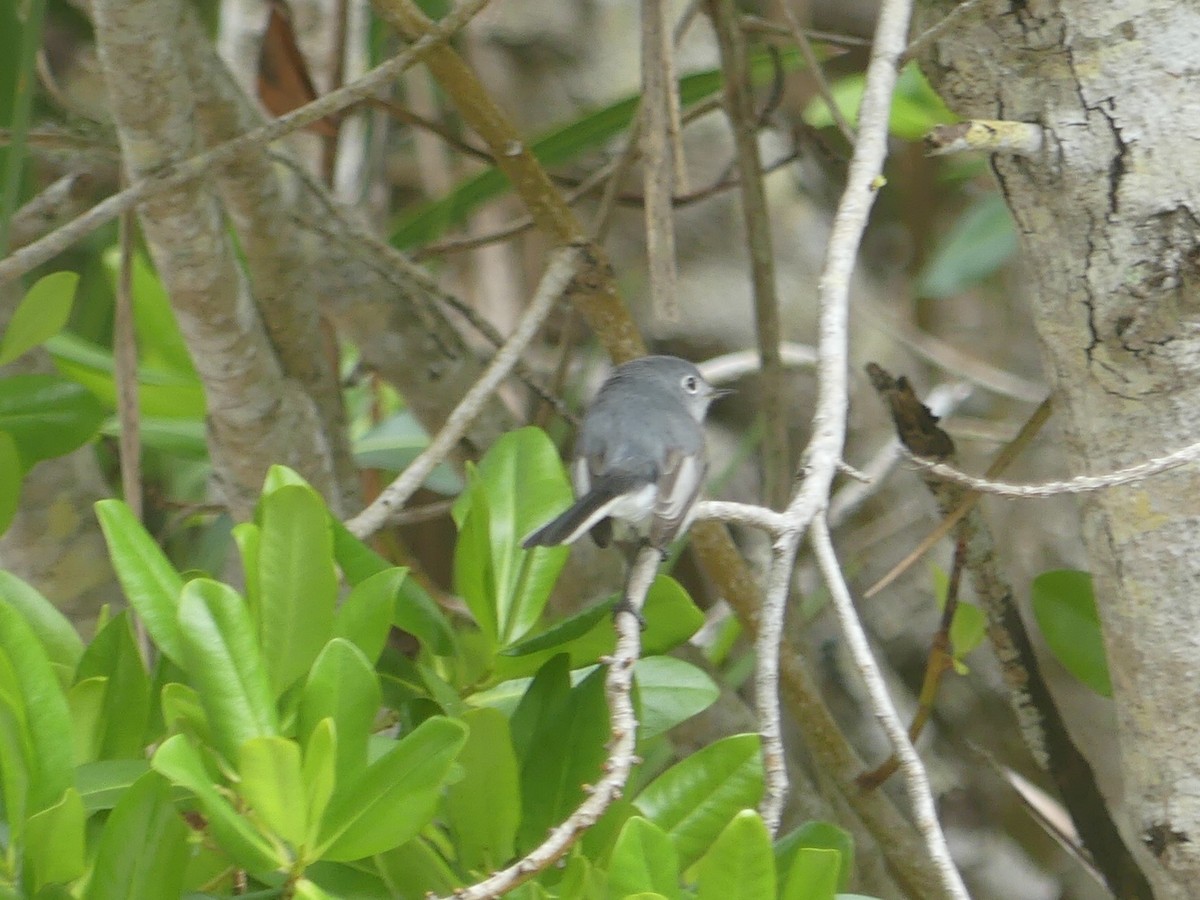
(640,459)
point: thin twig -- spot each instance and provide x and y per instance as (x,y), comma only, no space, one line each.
(563,266)
(916,779)
(814,66)
(621,757)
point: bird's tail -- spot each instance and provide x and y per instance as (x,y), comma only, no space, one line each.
(589,509)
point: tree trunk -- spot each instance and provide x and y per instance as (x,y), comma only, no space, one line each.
(1110,218)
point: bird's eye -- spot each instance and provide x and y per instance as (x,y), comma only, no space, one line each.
(691,384)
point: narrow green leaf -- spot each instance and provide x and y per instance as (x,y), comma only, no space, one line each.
(10,480)
(221,657)
(159,339)
(821,836)
(114,655)
(247,536)
(54,845)
(739,865)
(342,686)
(179,761)
(57,635)
(183,712)
(272,784)
(357,561)
(396,796)
(1065,609)
(814,874)
(36,694)
(297,582)
(47,416)
(319,773)
(85,699)
(670,691)
(417,613)
(979,243)
(415,869)
(150,582)
(644,859)
(17,764)
(365,618)
(545,696)
(103,783)
(40,315)
(484,806)
(143,851)
(696,798)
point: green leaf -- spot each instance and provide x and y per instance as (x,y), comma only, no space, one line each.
(221,657)
(366,617)
(697,797)
(319,773)
(179,761)
(396,796)
(47,416)
(10,480)
(40,315)
(821,836)
(814,874)
(103,783)
(150,582)
(162,393)
(54,631)
(297,582)
(416,869)
(565,753)
(1065,609)
(357,561)
(969,625)
(980,242)
(33,689)
(342,686)
(271,783)
(17,763)
(670,691)
(484,807)
(916,107)
(418,614)
(740,863)
(183,712)
(114,656)
(546,694)
(159,340)
(518,486)
(644,859)
(394,443)
(143,851)
(54,841)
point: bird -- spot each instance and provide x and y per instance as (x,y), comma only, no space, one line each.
(640,458)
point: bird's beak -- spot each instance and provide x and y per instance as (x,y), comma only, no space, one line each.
(718,393)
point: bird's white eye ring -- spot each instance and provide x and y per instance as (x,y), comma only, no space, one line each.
(691,384)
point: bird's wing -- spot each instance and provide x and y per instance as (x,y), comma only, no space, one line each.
(679,484)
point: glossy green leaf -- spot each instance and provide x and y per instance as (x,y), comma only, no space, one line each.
(1065,609)
(365,618)
(54,841)
(644,859)
(483,808)
(740,864)
(103,783)
(47,416)
(916,107)
(180,762)
(342,686)
(308,890)
(54,631)
(248,536)
(221,657)
(670,691)
(271,783)
(150,582)
(40,315)
(37,698)
(17,764)
(114,655)
(980,242)
(143,851)
(541,700)
(696,798)
(565,753)
(183,712)
(814,874)
(968,628)
(319,773)
(518,486)
(394,443)
(297,582)
(10,480)
(418,614)
(821,836)
(415,869)
(159,340)
(395,797)
(85,699)
(162,392)
(357,561)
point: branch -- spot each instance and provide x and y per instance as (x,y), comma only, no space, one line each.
(985,136)
(860,649)
(621,756)
(556,279)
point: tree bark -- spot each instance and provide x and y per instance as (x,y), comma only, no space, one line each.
(1109,213)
